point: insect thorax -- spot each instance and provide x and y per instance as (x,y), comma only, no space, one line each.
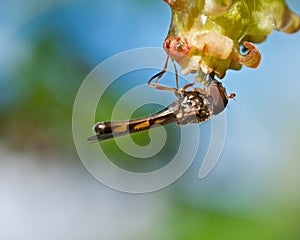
(193,107)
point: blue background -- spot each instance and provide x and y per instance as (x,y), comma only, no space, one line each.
(48,48)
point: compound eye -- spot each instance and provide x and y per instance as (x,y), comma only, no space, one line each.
(219,98)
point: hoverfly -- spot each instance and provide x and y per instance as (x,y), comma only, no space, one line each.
(194,106)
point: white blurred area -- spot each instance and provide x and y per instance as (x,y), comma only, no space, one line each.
(42,200)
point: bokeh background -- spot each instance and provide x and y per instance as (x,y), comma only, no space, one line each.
(47,48)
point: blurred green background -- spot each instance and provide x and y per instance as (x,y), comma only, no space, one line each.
(46,51)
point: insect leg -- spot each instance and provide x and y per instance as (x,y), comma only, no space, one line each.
(176,72)
(158,77)
(200,77)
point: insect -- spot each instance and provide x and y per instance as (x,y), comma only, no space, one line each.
(190,107)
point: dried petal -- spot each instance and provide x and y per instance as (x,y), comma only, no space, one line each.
(251,59)
(290,22)
(176,47)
